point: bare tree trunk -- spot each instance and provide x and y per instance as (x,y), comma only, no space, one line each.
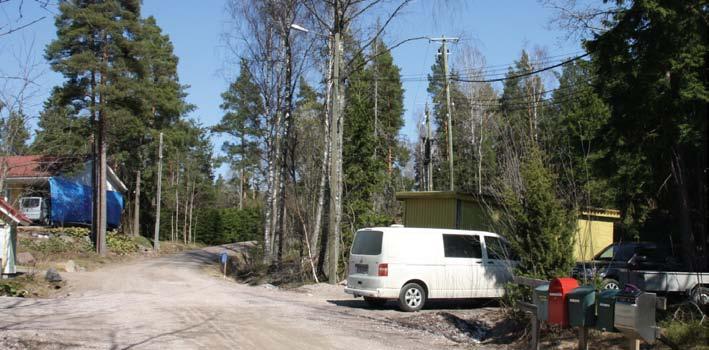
(136,208)
(189,227)
(177,204)
(335,169)
(317,229)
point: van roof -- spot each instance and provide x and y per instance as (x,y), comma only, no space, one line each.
(424,230)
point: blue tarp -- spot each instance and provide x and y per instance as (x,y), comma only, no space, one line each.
(71,203)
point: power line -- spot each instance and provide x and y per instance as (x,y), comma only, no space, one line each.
(517,76)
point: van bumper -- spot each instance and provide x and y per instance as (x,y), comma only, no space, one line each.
(373,293)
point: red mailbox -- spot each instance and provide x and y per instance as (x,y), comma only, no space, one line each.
(558,288)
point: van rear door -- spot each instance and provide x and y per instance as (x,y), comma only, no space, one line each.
(365,257)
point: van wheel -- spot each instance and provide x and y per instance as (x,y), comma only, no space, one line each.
(375,302)
(412,297)
(610,283)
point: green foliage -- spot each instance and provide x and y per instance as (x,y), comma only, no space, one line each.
(542,229)
(13,134)
(571,135)
(372,152)
(76,232)
(55,245)
(687,335)
(121,244)
(228,225)
(242,121)
(650,68)
(12,290)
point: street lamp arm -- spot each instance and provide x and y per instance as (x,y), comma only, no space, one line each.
(379,53)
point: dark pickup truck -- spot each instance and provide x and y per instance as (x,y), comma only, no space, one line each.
(645,265)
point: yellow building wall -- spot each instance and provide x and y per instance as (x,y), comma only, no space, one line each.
(592,236)
(430,213)
(474,217)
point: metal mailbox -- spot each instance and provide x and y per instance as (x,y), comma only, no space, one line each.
(605,310)
(540,298)
(582,306)
(558,290)
(634,314)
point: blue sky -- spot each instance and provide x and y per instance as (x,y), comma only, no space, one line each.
(499,29)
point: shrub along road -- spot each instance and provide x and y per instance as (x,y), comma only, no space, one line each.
(179,302)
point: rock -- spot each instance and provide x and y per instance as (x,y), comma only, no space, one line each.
(52,275)
(269,286)
(70,266)
(25,258)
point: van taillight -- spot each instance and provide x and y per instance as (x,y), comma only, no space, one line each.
(383,270)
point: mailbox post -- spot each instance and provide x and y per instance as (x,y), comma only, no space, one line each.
(558,290)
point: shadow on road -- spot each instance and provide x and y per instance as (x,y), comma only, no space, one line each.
(437,304)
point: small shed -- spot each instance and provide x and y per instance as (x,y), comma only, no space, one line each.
(462,211)
(9,219)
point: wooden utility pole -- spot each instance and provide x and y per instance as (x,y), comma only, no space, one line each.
(428,156)
(444,53)
(156,236)
(136,208)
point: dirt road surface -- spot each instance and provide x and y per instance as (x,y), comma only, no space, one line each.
(179,302)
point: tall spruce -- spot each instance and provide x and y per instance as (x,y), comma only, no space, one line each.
(651,69)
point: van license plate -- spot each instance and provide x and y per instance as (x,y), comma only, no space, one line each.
(362,268)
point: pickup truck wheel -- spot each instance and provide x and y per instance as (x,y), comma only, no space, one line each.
(375,302)
(610,283)
(700,295)
(412,297)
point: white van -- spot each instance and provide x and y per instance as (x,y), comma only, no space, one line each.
(416,264)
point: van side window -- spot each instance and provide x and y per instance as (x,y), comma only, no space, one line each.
(462,246)
(498,249)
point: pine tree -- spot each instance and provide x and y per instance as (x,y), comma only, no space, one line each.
(242,121)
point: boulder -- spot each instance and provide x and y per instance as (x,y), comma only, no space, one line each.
(70,266)
(52,275)
(25,259)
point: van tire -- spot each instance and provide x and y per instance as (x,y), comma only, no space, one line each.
(375,302)
(412,297)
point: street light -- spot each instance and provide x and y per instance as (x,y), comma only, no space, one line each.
(299,28)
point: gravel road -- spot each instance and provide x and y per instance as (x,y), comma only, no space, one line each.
(179,302)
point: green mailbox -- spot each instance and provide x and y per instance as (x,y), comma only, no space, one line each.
(582,306)
(605,308)
(541,300)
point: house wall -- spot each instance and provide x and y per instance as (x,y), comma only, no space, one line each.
(594,231)
(430,213)
(593,234)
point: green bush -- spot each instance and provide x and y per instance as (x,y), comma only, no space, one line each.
(121,244)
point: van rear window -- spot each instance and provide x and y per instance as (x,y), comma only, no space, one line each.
(367,243)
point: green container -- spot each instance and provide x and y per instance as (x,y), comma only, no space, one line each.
(605,310)
(541,299)
(581,304)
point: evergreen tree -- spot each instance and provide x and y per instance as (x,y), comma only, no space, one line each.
(14,134)
(572,138)
(651,68)
(463,165)
(540,228)
(242,121)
